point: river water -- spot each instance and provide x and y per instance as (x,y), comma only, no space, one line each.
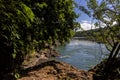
(83,54)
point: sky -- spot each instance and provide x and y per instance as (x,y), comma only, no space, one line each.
(84,19)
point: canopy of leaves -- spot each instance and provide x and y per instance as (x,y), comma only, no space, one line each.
(28,25)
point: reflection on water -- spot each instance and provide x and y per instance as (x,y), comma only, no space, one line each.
(82,54)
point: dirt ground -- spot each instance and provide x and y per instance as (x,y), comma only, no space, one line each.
(55,70)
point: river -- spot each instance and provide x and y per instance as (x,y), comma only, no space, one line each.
(83,54)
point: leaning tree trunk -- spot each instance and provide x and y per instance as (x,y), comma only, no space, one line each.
(112,57)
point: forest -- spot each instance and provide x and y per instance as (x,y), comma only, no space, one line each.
(28,26)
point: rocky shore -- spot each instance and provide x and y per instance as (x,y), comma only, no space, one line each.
(41,66)
(39,57)
(55,70)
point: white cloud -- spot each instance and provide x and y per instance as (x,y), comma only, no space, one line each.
(86,25)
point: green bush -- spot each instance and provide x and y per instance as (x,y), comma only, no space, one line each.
(29,25)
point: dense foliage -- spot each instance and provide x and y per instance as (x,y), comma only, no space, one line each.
(27,25)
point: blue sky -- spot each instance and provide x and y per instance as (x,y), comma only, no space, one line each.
(83,16)
(84,20)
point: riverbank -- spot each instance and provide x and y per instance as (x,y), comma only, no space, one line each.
(42,67)
(55,70)
(42,56)
(81,54)
(50,69)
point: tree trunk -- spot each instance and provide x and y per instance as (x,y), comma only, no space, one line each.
(112,58)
